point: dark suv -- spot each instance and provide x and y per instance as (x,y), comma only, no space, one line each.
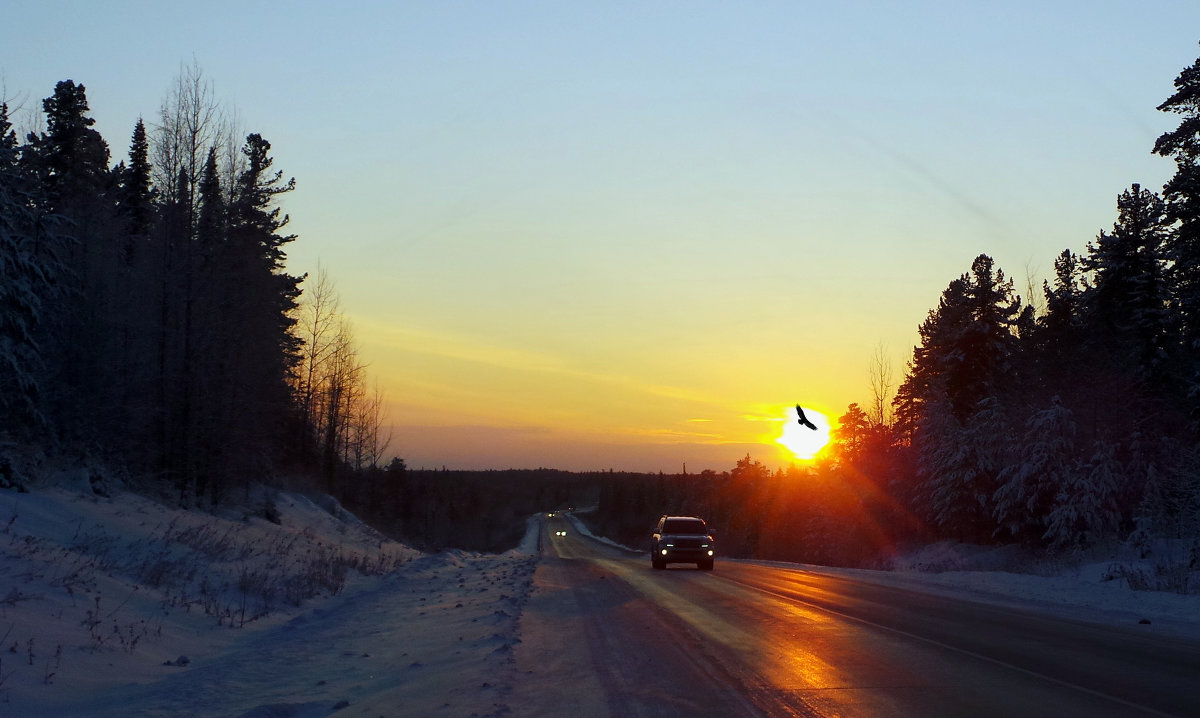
(682,539)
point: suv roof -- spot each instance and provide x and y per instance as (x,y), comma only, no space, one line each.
(683,524)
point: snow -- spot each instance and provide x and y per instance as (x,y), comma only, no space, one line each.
(122,606)
(118,606)
(1084,593)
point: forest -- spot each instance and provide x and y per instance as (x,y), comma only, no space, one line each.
(149,325)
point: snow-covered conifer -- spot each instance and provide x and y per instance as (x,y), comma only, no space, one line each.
(1085,511)
(1045,460)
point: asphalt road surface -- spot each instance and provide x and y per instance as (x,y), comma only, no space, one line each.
(605,635)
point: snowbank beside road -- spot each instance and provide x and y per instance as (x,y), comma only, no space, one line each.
(583,529)
(122,606)
(1084,593)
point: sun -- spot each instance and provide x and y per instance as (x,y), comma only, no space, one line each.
(803,442)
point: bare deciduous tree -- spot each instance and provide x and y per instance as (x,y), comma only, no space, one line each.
(316,323)
(883,385)
(368,441)
(1033,293)
(341,416)
(190,123)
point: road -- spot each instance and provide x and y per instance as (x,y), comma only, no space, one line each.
(605,635)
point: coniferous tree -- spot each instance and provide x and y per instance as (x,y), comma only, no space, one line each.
(30,274)
(962,467)
(934,359)
(171,250)
(987,342)
(133,314)
(1058,338)
(210,315)
(72,158)
(136,195)
(1182,196)
(1085,508)
(70,163)
(1045,460)
(1127,303)
(851,435)
(952,401)
(262,349)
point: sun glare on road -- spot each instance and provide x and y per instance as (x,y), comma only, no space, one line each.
(803,442)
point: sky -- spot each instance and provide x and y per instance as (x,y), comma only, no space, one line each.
(633,235)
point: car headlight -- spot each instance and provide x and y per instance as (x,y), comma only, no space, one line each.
(664,552)
(710,553)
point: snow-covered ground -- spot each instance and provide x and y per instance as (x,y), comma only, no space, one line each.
(120,606)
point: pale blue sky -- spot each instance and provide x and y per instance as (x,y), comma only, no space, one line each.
(583,227)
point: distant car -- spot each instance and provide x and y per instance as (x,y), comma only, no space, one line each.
(682,539)
(560,533)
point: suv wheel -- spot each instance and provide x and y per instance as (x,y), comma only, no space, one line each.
(705,565)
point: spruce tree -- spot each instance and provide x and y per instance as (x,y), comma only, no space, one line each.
(28,276)
(1060,325)
(135,194)
(1045,460)
(262,349)
(70,163)
(1085,504)
(72,157)
(953,400)
(1126,306)
(1182,195)
(135,277)
(986,343)
(933,359)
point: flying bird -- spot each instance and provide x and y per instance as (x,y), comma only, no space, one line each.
(803,420)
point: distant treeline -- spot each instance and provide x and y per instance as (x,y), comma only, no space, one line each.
(822,514)
(474,510)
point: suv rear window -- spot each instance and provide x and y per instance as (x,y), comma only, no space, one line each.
(683,526)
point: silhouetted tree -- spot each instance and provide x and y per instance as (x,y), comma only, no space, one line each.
(1127,303)
(136,195)
(69,161)
(261,349)
(1182,195)
(32,272)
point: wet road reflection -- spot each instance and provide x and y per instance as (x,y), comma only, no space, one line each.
(799,643)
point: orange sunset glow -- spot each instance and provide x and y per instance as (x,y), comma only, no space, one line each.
(804,443)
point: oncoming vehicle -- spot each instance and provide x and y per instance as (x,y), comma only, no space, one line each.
(682,539)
